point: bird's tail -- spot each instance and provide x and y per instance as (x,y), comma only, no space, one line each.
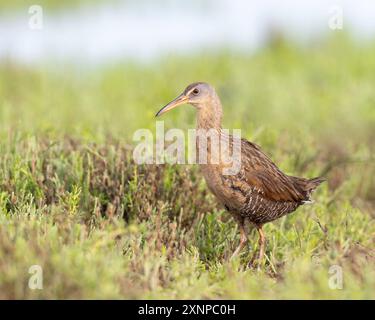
(311,185)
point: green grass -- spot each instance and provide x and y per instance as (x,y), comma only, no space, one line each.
(73,201)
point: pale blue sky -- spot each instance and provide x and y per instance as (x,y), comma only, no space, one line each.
(109,32)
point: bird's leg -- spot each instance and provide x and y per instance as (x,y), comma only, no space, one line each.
(262,242)
(243,238)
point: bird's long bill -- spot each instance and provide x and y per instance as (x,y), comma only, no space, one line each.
(181,99)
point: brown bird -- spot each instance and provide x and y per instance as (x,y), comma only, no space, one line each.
(259,192)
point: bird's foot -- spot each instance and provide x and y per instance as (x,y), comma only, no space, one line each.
(235,253)
(257,261)
(243,241)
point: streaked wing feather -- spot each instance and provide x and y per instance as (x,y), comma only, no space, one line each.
(260,172)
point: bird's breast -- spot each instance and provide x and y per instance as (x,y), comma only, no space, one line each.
(220,188)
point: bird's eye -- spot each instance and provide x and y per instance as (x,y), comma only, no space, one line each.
(196,91)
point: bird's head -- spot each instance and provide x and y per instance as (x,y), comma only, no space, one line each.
(197,94)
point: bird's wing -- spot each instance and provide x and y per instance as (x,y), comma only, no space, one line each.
(260,172)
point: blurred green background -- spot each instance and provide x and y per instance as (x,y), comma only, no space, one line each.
(73,201)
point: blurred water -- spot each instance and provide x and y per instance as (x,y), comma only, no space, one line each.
(146,29)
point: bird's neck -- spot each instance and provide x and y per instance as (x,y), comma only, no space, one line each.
(210,114)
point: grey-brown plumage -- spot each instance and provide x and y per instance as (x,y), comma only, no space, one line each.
(263,192)
(259,192)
